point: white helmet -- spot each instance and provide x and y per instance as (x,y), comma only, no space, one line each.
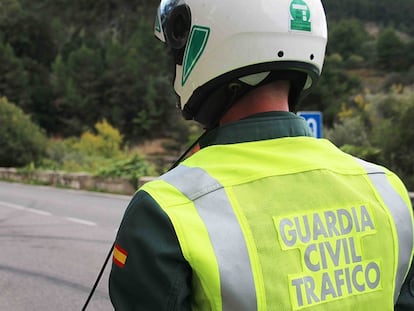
(223,48)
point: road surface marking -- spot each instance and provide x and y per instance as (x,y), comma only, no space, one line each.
(36,211)
(15,206)
(43,213)
(81,221)
(27,209)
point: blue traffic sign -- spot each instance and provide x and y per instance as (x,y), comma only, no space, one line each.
(314,120)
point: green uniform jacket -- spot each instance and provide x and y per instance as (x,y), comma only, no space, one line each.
(149,271)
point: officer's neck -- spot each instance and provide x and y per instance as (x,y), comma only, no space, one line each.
(269,97)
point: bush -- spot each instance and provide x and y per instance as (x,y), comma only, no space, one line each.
(106,142)
(379,128)
(351,131)
(346,37)
(355,61)
(398,151)
(390,50)
(64,155)
(22,142)
(131,168)
(87,153)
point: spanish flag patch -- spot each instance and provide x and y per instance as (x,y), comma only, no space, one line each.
(119,256)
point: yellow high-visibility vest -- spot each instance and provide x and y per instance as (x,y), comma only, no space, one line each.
(288,224)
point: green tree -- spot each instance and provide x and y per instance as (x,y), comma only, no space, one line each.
(32,41)
(22,142)
(390,50)
(66,98)
(78,87)
(9,9)
(30,36)
(347,37)
(41,95)
(399,13)
(335,86)
(409,54)
(378,128)
(123,87)
(394,133)
(138,92)
(13,77)
(404,152)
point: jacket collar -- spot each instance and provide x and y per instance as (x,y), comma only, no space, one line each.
(262,126)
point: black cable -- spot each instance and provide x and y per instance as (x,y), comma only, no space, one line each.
(181,158)
(98,279)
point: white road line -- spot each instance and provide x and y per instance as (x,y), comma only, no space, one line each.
(28,209)
(15,206)
(81,221)
(36,211)
(43,213)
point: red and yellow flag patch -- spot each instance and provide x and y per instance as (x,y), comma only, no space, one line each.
(119,256)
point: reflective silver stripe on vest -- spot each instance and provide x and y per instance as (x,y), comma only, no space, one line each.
(400,213)
(210,199)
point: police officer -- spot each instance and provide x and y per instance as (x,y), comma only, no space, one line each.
(263,216)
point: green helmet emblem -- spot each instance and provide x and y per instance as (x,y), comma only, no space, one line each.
(300,16)
(195,48)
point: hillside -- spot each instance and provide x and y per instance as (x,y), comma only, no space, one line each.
(70,64)
(98,60)
(385,13)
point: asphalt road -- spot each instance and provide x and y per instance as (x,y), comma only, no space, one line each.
(53,244)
